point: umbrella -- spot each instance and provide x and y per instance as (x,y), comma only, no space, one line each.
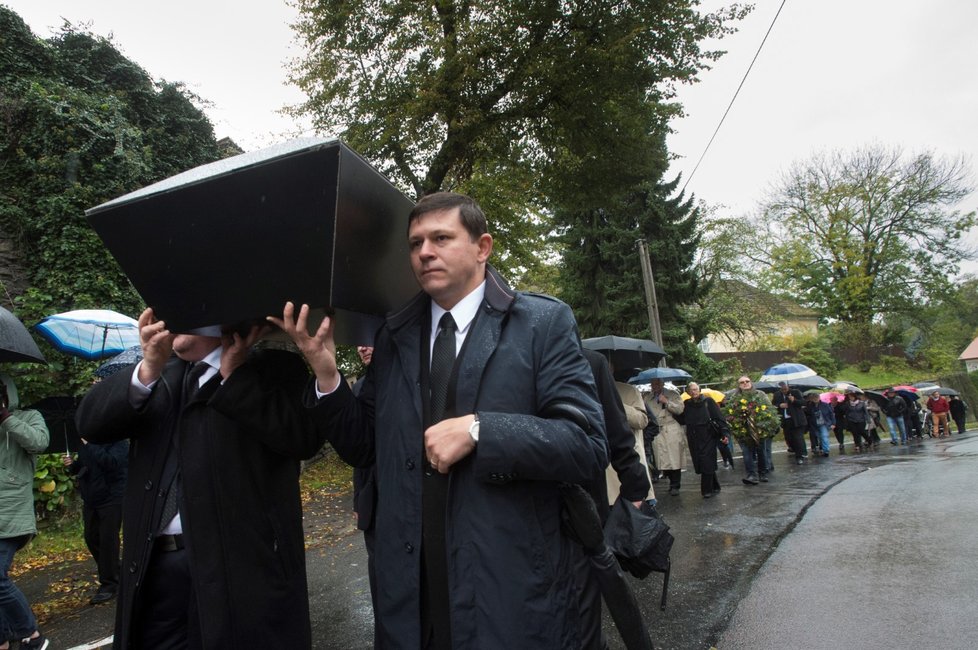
(709,392)
(844,386)
(904,387)
(16,343)
(906,394)
(766,386)
(625,352)
(828,397)
(923,385)
(879,398)
(947,392)
(59,416)
(665,374)
(787,372)
(90,333)
(813,381)
(129,357)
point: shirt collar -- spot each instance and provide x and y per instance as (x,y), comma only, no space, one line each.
(463,312)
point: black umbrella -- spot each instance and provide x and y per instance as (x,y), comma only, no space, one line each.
(626,352)
(907,394)
(59,416)
(766,386)
(581,517)
(879,398)
(16,343)
(810,382)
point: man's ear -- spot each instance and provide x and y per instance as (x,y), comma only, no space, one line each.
(485,246)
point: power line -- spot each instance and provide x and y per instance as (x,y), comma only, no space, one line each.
(734,98)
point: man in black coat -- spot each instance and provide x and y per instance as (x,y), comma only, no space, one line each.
(474,419)
(213,552)
(101,472)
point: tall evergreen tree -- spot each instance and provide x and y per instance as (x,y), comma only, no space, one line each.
(601,275)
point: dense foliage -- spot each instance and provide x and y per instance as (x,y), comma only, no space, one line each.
(528,106)
(79,124)
(865,234)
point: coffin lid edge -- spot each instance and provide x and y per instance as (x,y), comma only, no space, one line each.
(219,168)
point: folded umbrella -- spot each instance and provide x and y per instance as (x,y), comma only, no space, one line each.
(16,343)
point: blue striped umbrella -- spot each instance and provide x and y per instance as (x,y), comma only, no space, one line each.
(90,333)
(787,372)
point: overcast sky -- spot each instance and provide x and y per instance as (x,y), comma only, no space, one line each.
(833,74)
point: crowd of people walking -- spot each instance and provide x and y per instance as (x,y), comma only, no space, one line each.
(697,424)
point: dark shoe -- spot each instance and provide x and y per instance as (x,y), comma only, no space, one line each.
(102,596)
(825,454)
(38,643)
(763,478)
(750,479)
(674,491)
(799,461)
(709,495)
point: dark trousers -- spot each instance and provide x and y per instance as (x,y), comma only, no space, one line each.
(102,538)
(675,477)
(959,421)
(840,434)
(168,618)
(796,436)
(709,483)
(858,430)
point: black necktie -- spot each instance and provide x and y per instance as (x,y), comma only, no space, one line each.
(442,361)
(191,382)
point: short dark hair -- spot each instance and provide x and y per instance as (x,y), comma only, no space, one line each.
(473,219)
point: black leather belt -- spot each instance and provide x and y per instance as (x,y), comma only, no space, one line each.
(168,543)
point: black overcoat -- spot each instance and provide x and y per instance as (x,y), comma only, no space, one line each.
(700,434)
(512,582)
(240,446)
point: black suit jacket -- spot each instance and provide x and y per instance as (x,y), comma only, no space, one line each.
(621,441)
(240,446)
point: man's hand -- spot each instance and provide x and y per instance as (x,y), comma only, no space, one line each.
(448,442)
(236,348)
(319,349)
(663,399)
(157,344)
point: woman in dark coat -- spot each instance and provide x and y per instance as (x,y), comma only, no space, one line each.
(795,425)
(705,426)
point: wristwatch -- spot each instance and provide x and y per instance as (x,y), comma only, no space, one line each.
(474,428)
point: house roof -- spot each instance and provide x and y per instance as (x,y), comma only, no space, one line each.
(970,352)
(777,304)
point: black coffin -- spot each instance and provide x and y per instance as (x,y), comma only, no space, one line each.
(308,221)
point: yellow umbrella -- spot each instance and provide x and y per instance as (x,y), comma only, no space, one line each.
(716,395)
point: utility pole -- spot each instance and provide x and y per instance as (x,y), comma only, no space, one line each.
(650,300)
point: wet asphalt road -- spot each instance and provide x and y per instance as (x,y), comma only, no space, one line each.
(871,550)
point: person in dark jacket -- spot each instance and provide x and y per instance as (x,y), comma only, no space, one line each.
(896,411)
(840,405)
(477,405)
(856,418)
(795,423)
(958,409)
(101,471)
(705,427)
(213,549)
(821,418)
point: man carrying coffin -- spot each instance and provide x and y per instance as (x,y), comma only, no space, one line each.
(477,404)
(213,552)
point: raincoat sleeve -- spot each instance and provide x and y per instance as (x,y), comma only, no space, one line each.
(27,429)
(527,445)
